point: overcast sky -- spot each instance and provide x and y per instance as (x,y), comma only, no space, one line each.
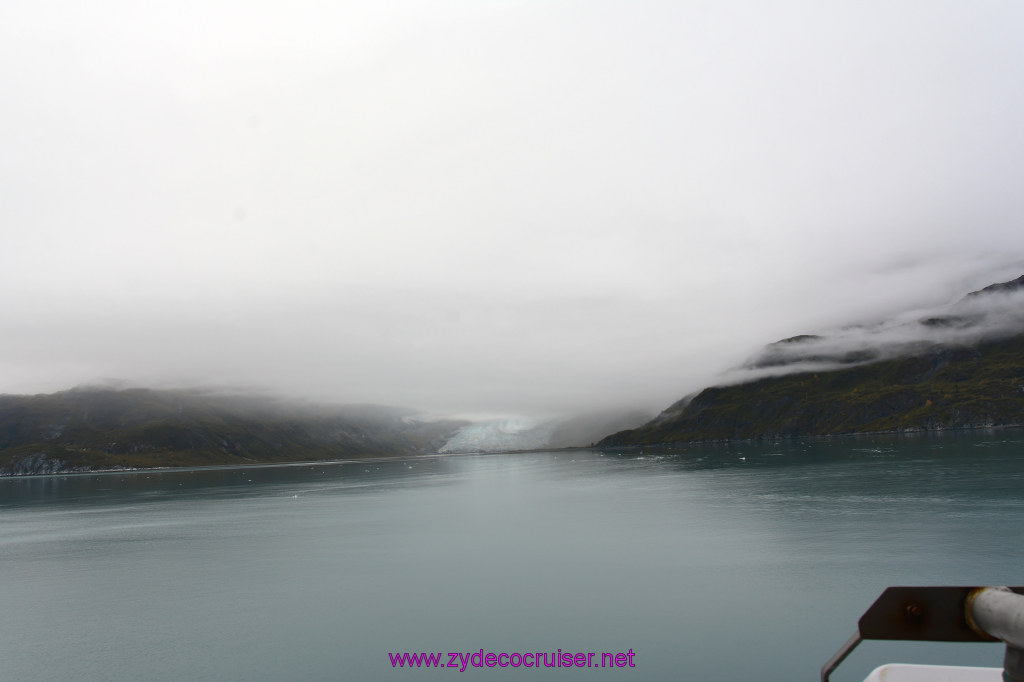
(490,205)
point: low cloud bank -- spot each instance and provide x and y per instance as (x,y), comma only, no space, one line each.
(991,313)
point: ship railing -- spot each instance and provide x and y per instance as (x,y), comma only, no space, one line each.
(945,614)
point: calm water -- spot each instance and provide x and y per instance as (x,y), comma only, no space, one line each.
(720,563)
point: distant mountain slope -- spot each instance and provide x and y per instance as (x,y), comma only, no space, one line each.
(85,429)
(960,367)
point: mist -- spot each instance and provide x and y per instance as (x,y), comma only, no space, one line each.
(977,317)
(493,208)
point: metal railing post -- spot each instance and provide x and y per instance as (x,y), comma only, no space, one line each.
(999,612)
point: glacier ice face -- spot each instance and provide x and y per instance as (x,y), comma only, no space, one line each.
(501,435)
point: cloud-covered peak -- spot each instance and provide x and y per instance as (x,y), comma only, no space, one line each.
(993,312)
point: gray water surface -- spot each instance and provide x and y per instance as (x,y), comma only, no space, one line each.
(711,563)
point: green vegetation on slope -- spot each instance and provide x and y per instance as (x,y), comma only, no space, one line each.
(946,387)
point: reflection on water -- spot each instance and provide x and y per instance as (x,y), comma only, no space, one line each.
(714,562)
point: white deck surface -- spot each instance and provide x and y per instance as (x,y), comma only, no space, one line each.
(900,672)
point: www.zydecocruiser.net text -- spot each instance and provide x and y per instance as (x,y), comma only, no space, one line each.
(461,660)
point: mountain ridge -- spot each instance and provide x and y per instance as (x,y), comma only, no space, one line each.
(960,368)
(106,428)
(86,429)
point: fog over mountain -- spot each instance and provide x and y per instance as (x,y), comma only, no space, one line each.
(497,210)
(954,367)
(993,313)
(957,367)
